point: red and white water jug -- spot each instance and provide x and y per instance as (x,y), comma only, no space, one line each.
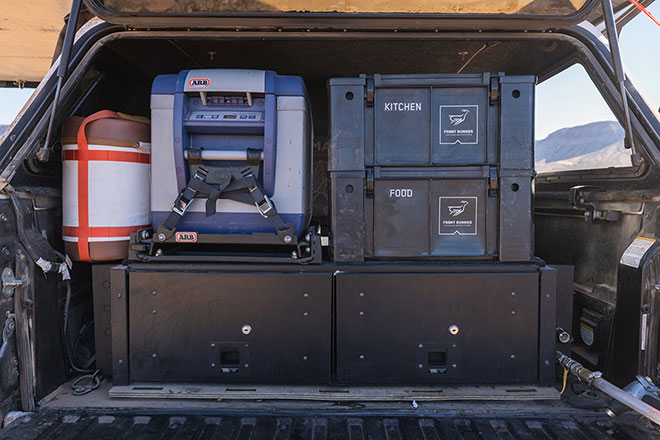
(105,184)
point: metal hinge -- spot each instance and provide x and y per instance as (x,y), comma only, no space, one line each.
(370,92)
(493,182)
(370,183)
(9,282)
(494,90)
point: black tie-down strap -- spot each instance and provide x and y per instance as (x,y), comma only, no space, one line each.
(198,187)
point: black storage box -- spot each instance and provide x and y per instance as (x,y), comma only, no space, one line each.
(431,166)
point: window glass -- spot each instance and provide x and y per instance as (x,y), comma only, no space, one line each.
(639,41)
(11,102)
(575,129)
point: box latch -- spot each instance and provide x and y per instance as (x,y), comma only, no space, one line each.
(370,183)
(370,92)
(493,182)
(494,90)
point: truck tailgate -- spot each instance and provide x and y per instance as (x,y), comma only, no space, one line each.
(228,424)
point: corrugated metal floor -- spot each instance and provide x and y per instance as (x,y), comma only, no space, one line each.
(108,425)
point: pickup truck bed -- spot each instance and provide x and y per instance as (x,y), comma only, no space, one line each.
(578,415)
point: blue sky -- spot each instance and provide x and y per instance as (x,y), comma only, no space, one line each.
(566,100)
(11,102)
(571,99)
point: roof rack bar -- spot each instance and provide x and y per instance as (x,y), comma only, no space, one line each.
(610,26)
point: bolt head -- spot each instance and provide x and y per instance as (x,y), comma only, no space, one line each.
(154,311)
(161,236)
(305,314)
(420,366)
(420,346)
(212,345)
(246,329)
(306,295)
(120,362)
(246,365)
(453,365)
(513,312)
(212,364)
(513,356)
(361,293)
(304,358)
(288,239)
(153,292)
(513,293)
(547,363)
(361,313)
(118,294)
(361,356)
(154,356)
(453,329)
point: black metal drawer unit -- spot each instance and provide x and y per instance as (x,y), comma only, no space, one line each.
(438,328)
(431,166)
(225,327)
(331,324)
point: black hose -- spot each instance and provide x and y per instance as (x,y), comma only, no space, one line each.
(44,264)
(67,336)
(20,225)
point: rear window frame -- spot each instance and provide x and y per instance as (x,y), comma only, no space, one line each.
(342,20)
(608,173)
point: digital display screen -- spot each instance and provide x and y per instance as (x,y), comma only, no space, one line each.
(228,116)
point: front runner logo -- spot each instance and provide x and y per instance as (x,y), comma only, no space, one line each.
(199,82)
(457,215)
(459,124)
(457,210)
(458,119)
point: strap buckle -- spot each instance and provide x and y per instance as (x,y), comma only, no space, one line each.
(181,205)
(251,183)
(264,207)
(186,197)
